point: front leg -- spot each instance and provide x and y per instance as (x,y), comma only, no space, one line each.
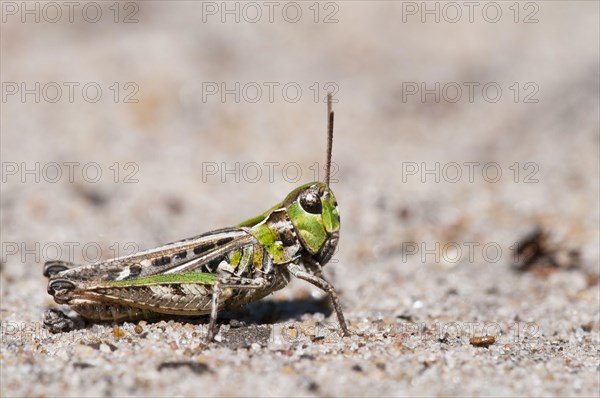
(325,286)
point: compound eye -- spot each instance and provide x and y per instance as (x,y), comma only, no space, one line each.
(311,201)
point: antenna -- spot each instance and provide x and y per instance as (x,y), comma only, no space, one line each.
(329,139)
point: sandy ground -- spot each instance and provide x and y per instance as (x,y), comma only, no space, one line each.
(454,139)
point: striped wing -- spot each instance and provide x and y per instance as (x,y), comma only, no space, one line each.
(178,257)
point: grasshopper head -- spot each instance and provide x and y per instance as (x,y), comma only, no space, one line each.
(312,208)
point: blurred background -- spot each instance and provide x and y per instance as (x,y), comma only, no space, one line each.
(460,128)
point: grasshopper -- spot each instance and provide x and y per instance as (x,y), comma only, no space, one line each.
(215,271)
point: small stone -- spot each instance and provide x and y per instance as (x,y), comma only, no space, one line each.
(118,332)
(482,341)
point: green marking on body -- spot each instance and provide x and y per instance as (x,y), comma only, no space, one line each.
(288,199)
(255,220)
(234,258)
(269,238)
(331,217)
(309,227)
(258,258)
(186,277)
(246,257)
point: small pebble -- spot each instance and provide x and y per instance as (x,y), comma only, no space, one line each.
(482,341)
(118,332)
